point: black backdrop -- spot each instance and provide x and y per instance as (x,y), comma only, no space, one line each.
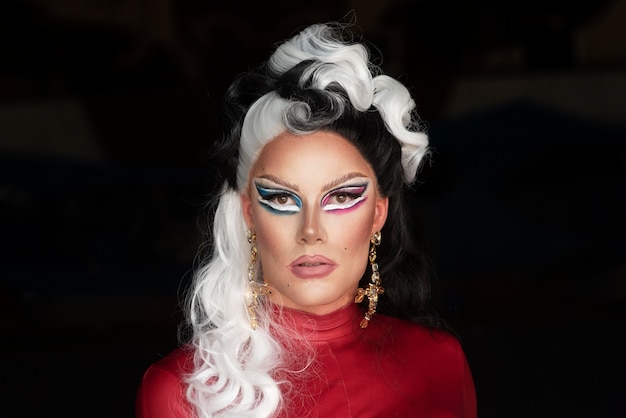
(107,110)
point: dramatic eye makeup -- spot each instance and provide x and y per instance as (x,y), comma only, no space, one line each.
(278,201)
(344,197)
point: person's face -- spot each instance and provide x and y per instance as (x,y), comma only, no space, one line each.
(314,204)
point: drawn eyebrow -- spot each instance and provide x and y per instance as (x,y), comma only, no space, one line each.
(341,180)
(331,185)
(280,181)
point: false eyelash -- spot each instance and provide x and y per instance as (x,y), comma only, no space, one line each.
(355,193)
(266,195)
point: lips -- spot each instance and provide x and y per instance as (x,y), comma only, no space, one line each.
(312,267)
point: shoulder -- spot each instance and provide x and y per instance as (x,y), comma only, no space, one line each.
(161,393)
(414,330)
(432,355)
(178,362)
(432,342)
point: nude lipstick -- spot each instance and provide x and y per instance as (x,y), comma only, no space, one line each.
(312,267)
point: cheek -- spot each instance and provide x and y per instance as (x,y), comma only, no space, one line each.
(354,231)
(274,234)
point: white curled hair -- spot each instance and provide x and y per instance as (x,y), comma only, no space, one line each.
(235,367)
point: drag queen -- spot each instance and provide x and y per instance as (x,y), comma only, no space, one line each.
(314,301)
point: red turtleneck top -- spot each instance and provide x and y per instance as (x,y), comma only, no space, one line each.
(392,368)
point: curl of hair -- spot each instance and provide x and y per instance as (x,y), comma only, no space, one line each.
(231,361)
(317,80)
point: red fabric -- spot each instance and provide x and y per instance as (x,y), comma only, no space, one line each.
(390,369)
(162,391)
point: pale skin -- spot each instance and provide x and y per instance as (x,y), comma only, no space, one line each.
(314,204)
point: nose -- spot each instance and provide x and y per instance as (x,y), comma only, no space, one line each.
(312,230)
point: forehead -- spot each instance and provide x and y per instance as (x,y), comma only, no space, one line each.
(310,159)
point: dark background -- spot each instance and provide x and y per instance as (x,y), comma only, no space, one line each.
(107,109)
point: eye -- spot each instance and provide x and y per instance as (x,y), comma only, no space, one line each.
(281,199)
(277,201)
(344,198)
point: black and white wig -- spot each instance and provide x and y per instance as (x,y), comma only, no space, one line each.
(318,80)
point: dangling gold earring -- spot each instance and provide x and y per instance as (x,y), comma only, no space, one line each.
(374,289)
(255,289)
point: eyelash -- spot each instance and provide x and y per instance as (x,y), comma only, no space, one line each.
(268,198)
(355,194)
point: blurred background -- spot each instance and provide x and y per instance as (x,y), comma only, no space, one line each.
(107,109)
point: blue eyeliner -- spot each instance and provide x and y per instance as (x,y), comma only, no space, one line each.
(268,196)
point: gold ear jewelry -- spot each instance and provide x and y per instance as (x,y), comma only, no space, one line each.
(374,289)
(254,287)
